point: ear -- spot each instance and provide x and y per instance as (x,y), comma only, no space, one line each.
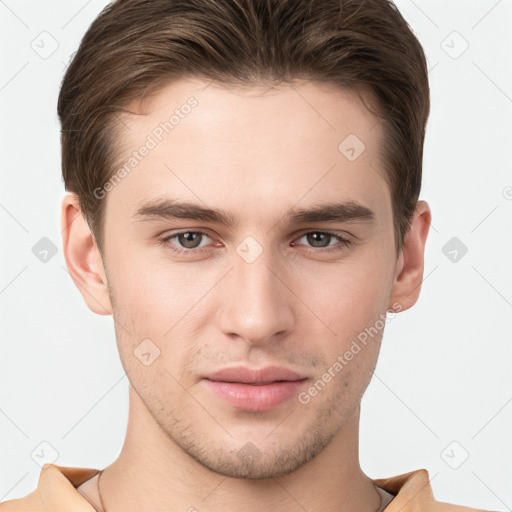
(83,257)
(409,268)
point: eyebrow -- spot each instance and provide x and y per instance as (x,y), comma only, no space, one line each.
(173,209)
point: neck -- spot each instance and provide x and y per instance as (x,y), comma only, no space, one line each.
(154,473)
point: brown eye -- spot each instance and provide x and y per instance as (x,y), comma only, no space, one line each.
(322,240)
(186,241)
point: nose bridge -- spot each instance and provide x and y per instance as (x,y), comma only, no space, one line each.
(257,305)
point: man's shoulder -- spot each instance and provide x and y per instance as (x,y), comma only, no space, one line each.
(56,491)
(30,503)
(413,493)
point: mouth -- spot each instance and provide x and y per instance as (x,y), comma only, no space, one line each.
(251,389)
(263,383)
(257,376)
(257,383)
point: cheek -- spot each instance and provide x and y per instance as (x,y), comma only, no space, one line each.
(160,303)
(156,294)
(348,298)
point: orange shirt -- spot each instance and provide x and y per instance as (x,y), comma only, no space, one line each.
(56,492)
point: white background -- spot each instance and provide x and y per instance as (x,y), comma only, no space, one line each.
(443,374)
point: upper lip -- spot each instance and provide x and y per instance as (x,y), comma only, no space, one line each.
(247,375)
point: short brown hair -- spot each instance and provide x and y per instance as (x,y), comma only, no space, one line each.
(136,46)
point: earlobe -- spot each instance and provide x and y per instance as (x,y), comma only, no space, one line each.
(410,265)
(83,258)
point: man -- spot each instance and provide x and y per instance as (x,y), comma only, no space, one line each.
(244,179)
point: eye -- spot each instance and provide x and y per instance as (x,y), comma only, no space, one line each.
(321,239)
(188,241)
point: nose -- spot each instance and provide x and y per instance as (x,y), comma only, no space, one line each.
(257,304)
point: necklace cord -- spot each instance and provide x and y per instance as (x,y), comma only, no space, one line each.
(99,493)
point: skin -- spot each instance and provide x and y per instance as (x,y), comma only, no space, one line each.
(254,153)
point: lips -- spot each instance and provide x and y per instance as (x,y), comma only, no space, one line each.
(255,376)
(255,389)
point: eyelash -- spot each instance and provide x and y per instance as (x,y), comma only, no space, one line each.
(336,248)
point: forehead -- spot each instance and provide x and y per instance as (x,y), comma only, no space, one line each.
(276,146)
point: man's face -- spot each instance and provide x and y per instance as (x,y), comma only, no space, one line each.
(270,289)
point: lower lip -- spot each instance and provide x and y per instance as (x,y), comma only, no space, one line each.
(255,398)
